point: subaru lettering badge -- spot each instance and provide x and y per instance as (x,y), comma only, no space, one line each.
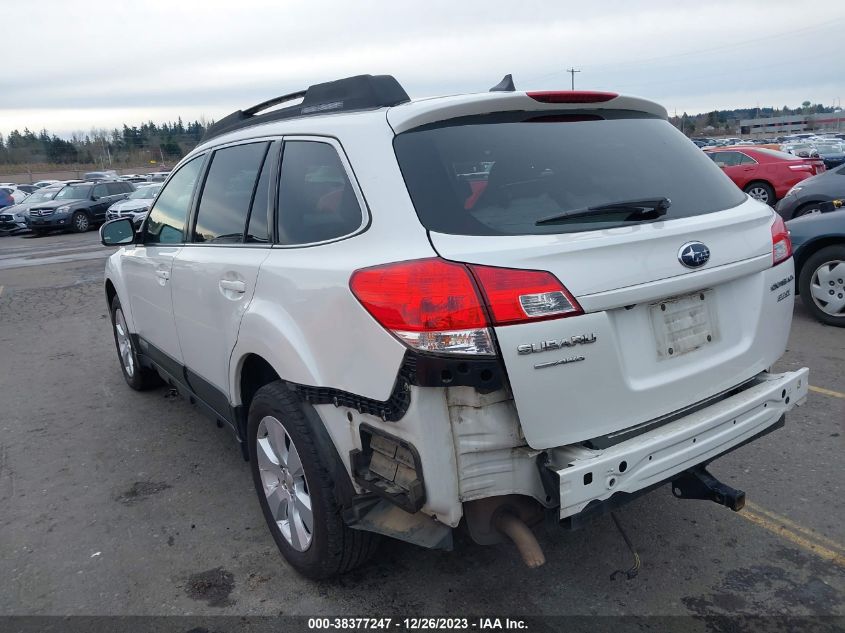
(693,254)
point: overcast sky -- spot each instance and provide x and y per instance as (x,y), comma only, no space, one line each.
(77,64)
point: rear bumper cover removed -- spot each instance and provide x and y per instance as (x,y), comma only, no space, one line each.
(587,476)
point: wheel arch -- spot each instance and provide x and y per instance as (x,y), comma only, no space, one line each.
(806,204)
(759,181)
(111,292)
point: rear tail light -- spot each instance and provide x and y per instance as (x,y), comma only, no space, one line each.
(516,296)
(781,244)
(801,167)
(444,307)
(571,96)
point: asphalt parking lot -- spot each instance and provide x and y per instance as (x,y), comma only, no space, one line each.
(114,502)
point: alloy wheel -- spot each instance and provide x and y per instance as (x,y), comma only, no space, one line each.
(124,344)
(284,483)
(759,193)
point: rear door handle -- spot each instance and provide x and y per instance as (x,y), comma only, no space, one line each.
(163,274)
(233,285)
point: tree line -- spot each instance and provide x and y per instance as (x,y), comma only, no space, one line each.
(719,122)
(163,142)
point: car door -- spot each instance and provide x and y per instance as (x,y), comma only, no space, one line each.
(215,273)
(101,199)
(147,267)
(746,169)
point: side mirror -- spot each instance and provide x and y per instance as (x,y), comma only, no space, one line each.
(117,232)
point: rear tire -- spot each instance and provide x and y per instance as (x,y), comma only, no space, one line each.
(80,222)
(138,377)
(807,209)
(319,545)
(761,191)
(822,274)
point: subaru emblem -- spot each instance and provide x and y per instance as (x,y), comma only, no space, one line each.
(693,254)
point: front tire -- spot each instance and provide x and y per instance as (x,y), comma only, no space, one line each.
(138,377)
(761,191)
(822,285)
(296,490)
(80,222)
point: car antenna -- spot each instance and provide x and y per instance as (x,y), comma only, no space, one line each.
(506,85)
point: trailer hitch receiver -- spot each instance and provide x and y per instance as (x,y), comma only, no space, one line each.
(697,483)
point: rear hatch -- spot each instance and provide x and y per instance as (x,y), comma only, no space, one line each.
(653,335)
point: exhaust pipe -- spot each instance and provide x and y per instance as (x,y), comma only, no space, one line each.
(517,531)
(697,483)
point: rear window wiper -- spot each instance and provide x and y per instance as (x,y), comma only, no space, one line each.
(638,209)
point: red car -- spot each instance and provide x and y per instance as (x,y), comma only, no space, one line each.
(764,174)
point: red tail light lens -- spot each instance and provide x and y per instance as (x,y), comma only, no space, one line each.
(443,307)
(516,296)
(781,244)
(571,96)
(429,304)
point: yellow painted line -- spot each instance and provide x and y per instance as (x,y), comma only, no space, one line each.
(829,542)
(781,530)
(1,291)
(828,392)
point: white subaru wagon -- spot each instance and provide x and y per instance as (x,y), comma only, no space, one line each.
(482,310)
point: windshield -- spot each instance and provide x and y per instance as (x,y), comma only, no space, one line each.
(42,196)
(776,153)
(74,192)
(499,174)
(144,193)
(829,147)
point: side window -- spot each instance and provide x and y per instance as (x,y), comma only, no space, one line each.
(316,200)
(115,188)
(745,159)
(166,221)
(258,231)
(100,191)
(226,196)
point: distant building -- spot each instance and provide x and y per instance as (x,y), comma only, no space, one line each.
(792,123)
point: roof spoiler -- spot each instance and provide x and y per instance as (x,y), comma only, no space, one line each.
(361,92)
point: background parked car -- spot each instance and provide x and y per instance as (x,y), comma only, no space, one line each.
(802,150)
(77,207)
(44,183)
(136,205)
(13,219)
(808,195)
(17,194)
(764,174)
(818,241)
(6,199)
(832,153)
(94,176)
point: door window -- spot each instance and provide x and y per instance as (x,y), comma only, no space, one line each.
(258,230)
(227,194)
(745,159)
(100,191)
(316,199)
(166,222)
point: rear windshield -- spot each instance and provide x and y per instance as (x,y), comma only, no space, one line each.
(776,154)
(499,174)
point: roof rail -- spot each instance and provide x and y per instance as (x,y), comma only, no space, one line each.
(362,92)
